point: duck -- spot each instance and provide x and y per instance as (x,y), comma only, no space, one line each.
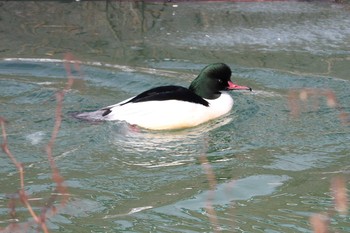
(175,107)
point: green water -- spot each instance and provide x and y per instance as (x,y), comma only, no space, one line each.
(272,170)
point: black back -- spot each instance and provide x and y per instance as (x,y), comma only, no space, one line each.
(165,93)
(168,93)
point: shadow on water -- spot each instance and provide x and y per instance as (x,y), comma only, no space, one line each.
(272,171)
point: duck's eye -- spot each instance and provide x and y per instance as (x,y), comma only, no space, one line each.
(220,81)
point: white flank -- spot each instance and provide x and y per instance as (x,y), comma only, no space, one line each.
(170,114)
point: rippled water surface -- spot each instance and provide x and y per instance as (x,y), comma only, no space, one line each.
(260,167)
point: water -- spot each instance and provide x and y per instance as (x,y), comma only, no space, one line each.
(272,170)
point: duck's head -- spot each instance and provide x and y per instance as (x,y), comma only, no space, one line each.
(213,79)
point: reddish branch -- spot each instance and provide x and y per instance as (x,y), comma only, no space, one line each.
(22,194)
(297,100)
(299,97)
(61,189)
(319,223)
(212,184)
(340,196)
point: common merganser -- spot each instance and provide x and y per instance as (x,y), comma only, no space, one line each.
(175,107)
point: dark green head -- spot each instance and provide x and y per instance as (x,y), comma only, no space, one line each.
(213,79)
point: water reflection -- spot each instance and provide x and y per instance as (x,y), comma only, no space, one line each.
(223,196)
(226,193)
(141,140)
(169,148)
(276,168)
(146,174)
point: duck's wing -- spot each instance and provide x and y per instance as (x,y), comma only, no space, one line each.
(162,93)
(168,93)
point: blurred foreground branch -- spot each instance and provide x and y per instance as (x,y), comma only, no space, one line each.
(49,209)
(299,100)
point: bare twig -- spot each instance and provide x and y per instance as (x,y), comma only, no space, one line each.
(22,194)
(61,189)
(212,185)
(338,186)
(297,98)
(319,223)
